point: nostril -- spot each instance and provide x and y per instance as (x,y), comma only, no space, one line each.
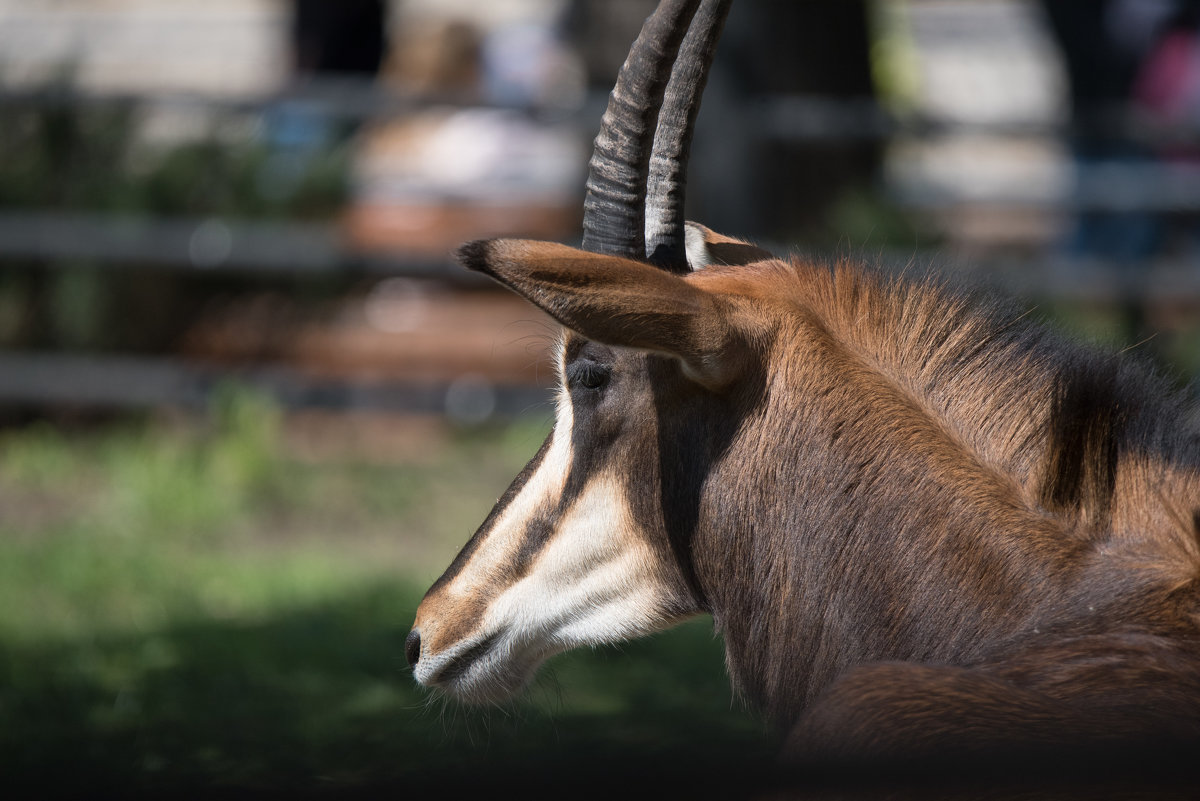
(412,647)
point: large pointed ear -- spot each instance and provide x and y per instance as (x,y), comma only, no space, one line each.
(617,301)
(705,246)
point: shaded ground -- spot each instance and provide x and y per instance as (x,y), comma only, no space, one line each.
(190,607)
(317,699)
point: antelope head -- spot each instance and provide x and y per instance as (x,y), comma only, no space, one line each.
(591,542)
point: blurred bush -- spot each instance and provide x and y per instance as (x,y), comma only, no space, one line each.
(65,154)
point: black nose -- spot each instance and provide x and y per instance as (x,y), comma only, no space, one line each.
(412,647)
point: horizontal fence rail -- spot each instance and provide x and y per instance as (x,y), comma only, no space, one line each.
(778,116)
(46,238)
(122,383)
(206,244)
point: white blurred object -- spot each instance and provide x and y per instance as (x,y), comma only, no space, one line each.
(225,48)
(986,62)
(397,305)
(487,154)
(472,154)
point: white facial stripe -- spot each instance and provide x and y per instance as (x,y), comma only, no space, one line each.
(594,583)
(501,543)
(596,580)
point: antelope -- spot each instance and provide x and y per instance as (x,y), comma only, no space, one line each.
(924,526)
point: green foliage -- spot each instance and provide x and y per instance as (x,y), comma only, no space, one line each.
(68,154)
(1172,345)
(64,155)
(77,303)
(187,606)
(869,220)
(100,533)
(244,181)
(90,157)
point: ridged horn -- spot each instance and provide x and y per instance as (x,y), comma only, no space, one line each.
(666,186)
(614,212)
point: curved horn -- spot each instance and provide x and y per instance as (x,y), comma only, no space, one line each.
(613,212)
(673,139)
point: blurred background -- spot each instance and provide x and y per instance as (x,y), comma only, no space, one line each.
(249,408)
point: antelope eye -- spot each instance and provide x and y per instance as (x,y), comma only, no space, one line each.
(588,374)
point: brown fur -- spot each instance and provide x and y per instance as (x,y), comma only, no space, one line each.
(923,524)
(930,532)
(975,481)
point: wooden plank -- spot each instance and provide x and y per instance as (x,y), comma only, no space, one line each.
(207,245)
(118,382)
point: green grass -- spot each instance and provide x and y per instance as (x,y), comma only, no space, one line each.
(190,606)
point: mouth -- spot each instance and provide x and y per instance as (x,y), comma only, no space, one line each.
(483,672)
(456,668)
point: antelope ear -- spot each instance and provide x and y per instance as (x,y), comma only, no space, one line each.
(617,301)
(705,246)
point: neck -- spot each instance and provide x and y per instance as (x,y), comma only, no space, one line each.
(906,511)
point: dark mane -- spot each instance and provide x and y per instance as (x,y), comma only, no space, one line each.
(975,478)
(1008,383)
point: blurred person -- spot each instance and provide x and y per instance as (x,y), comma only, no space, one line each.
(1167,88)
(1125,60)
(505,155)
(438,57)
(1123,56)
